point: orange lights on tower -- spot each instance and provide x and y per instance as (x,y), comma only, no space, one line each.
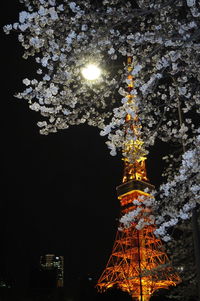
(138,263)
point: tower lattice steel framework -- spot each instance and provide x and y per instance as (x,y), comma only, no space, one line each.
(138,263)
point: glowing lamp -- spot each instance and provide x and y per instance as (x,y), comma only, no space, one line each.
(91,72)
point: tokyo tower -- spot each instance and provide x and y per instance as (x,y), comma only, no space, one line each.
(138,263)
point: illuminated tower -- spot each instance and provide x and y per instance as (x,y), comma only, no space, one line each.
(53,263)
(138,263)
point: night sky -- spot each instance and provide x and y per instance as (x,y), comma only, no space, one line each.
(58,192)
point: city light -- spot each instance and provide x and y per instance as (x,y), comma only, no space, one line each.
(91,72)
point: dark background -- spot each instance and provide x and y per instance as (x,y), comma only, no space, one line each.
(57,192)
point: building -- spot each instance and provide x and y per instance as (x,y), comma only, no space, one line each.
(52,267)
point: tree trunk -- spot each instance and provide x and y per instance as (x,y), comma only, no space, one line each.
(196,238)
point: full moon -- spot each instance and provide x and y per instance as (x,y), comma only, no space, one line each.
(91,72)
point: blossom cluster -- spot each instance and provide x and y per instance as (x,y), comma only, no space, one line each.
(64,37)
(181,195)
(141,215)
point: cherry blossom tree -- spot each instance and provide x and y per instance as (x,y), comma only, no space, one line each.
(163,38)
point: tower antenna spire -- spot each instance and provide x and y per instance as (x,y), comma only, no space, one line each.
(134,154)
